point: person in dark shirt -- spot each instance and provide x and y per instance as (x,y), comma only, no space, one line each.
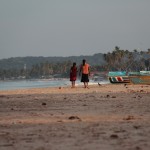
(73,74)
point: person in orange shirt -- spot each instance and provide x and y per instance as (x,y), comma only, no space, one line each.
(85,69)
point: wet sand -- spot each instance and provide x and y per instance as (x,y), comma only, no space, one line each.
(105,117)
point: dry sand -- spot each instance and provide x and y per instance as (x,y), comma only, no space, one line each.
(107,117)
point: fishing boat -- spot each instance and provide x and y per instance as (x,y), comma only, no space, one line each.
(142,78)
(118,77)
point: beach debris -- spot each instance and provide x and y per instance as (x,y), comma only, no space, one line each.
(136,126)
(60,87)
(114,136)
(107,96)
(74,118)
(84,105)
(138,148)
(99,84)
(125,85)
(44,104)
(14,122)
(141,90)
(60,121)
(129,118)
(113,96)
(131,91)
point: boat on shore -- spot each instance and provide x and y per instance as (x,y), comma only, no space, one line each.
(118,77)
(142,78)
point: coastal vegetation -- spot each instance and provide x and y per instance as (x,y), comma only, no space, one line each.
(47,67)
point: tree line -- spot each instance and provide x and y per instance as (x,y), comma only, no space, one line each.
(43,70)
(116,60)
(119,60)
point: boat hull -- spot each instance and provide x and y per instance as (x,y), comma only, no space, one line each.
(119,79)
(140,79)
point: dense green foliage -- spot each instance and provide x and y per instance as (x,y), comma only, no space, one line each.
(126,60)
(46,67)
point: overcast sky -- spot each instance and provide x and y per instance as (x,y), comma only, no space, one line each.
(72,27)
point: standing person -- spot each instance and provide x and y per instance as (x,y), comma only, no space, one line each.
(85,69)
(73,74)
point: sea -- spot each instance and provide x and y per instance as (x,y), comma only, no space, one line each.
(42,83)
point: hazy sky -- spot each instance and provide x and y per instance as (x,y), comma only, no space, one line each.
(72,27)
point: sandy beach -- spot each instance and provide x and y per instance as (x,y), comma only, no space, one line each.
(105,117)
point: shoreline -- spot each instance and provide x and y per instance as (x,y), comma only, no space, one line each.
(24,84)
(103,88)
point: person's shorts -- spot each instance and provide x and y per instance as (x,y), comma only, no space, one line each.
(85,78)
